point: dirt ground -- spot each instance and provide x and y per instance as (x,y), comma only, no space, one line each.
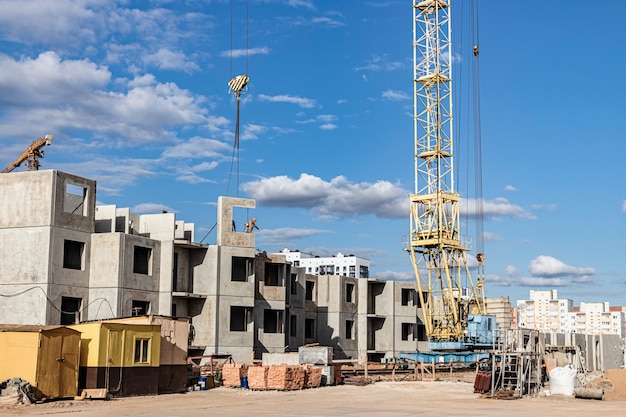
(440,398)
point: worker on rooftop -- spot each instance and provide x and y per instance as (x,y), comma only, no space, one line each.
(251,225)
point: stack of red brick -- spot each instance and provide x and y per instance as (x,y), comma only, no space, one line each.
(232,374)
(284,377)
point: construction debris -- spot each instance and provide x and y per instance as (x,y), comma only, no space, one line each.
(589,393)
(16,391)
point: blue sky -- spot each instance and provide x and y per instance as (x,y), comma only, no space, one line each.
(135,95)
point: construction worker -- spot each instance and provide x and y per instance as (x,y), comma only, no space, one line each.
(251,225)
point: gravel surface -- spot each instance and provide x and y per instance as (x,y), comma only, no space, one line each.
(378,399)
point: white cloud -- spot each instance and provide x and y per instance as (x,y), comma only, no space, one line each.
(52,22)
(170,60)
(150,208)
(112,175)
(301,3)
(328,126)
(491,237)
(396,276)
(205,166)
(337,198)
(286,236)
(285,98)
(196,148)
(381,63)
(543,282)
(510,270)
(395,95)
(251,131)
(548,267)
(510,188)
(624,206)
(326,21)
(72,94)
(238,53)
(498,207)
(545,271)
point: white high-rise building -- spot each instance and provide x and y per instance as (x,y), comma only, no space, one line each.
(340,264)
(596,318)
(544,311)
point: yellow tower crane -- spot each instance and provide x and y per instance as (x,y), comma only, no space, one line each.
(452,300)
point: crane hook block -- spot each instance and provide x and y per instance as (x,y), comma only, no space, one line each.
(238,83)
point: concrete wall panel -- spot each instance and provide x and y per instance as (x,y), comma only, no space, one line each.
(26,199)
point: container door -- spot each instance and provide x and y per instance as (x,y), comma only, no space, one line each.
(115,364)
(68,366)
(49,358)
(57,373)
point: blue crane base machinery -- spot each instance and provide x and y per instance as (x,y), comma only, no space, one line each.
(482,331)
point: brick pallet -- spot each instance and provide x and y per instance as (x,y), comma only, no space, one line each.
(313,377)
(232,374)
(257,377)
(285,377)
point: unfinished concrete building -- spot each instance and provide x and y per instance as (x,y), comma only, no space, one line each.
(46,224)
(66,260)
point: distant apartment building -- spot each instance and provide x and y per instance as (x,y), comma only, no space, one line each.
(500,307)
(67,260)
(544,311)
(595,318)
(340,264)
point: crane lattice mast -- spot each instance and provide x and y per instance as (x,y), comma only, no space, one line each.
(438,254)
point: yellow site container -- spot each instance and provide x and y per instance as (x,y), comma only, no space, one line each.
(45,356)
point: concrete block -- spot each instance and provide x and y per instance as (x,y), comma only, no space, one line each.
(328,374)
(315,355)
(280,359)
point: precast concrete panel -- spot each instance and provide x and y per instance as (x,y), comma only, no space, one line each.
(24,304)
(26,199)
(226,236)
(25,255)
(136,280)
(158,226)
(74,202)
(104,303)
(60,273)
(107,257)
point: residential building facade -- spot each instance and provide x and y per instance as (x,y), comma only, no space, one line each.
(544,311)
(66,260)
(340,264)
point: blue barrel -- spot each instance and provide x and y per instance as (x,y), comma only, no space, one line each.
(202,383)
(244,382)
